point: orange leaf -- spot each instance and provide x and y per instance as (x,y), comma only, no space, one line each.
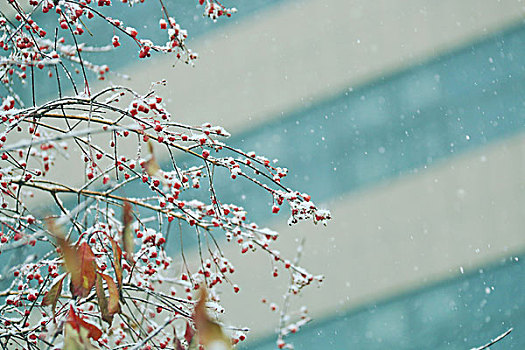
(79,262)
(127,234)
(53,294)
(113,305)
(69,254)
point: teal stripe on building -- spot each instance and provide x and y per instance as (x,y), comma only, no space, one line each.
(460,101)
(457,314)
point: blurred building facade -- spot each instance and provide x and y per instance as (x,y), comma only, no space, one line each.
(407,120)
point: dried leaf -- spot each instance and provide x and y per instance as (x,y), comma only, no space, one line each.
(53,293)
(113,304)
(83,275)
(107,308)
(103,301)
(127,234)
(117,262)
(79,262)
(210,333)
(69,254)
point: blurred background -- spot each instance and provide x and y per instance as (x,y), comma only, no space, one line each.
(407,120)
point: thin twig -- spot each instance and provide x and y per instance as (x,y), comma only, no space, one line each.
(497,339)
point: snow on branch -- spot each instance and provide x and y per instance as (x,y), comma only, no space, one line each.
(100,276)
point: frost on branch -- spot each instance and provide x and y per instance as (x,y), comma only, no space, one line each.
(123,254)
(97,274)
(27,45)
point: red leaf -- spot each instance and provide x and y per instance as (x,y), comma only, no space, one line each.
(77,323)
(188,335)
(83,273)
